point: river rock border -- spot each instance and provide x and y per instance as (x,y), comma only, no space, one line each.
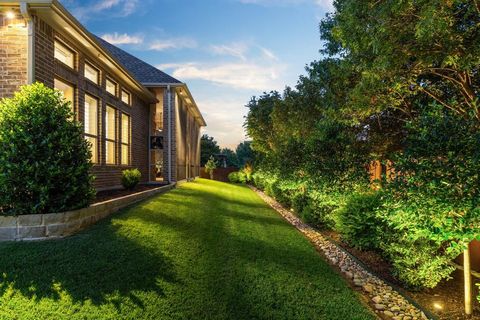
(384,300)
(58,225)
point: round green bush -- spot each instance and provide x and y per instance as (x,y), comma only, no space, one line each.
(237,177)
(130,178)
(44,159)
(357,221)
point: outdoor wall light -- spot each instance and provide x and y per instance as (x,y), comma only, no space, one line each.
(10,15)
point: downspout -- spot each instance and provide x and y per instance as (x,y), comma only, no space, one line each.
(169,133)
(150,144)
(31,42)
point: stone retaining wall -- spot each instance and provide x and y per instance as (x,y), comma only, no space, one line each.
(57,225)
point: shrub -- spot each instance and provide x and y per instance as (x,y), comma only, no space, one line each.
(44,159)
(130,178)
(237,177)
(419,263)
(357,221)
(210,166)
(233,177)
(320,208)
(248,172)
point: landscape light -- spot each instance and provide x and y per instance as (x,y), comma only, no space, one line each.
(438,306)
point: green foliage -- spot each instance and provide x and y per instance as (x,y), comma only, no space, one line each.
(399,83)
(232,160)
(208,148)
(210,166)
(237,177)
(321,207)
(44,159)
(419,262)
(245,154)
(130,178)
(403,51)
(357,221)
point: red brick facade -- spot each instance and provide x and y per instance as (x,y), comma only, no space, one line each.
(47,69)
(185,130)
(13,58)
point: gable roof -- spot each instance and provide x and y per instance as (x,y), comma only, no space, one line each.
(144,72)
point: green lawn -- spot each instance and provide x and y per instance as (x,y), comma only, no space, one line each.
(206,250)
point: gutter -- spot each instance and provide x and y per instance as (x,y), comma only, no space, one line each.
(31,42)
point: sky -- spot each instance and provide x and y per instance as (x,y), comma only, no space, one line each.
(226,51)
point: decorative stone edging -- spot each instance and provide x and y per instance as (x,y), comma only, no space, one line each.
(58,225)
(384,300)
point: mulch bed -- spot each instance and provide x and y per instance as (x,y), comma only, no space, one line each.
(113,194)
(449,293)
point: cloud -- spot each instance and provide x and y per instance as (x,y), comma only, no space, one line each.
(115,38)
(115,8)
(241,75)
(269,54)
(173,43)
(224,117)
(236,49)
(258,69)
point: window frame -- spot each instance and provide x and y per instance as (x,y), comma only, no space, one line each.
(129,103)
(88,64)
(110,140)
(71,85)
(127,144)
(56,42)
(108,79)
(95,157)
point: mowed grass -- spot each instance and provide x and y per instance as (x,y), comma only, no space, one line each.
(206,250)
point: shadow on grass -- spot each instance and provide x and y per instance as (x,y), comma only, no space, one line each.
(88,266)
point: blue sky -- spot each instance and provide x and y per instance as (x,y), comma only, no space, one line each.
(225,50)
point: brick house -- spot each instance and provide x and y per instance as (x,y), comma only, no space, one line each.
(135,115)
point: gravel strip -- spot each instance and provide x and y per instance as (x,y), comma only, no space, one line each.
(384,300)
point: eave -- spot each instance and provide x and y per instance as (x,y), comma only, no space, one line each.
(52,12)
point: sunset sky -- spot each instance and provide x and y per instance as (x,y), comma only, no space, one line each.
(225,50)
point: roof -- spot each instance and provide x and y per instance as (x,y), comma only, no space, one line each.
(144,72)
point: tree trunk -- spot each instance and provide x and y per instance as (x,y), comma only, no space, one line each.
(468,281)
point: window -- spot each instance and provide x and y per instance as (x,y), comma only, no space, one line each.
(65,55)
(110,135)
(125,139)
(91,125)
(126,97)
(91,73)
(111,87)
(67,90)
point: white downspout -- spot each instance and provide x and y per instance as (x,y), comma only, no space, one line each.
(169,124)
(31,42)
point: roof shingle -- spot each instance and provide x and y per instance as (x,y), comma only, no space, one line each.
(142,71)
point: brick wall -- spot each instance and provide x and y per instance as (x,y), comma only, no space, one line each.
(47,69)
(13,57)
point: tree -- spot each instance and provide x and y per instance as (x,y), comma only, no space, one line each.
(44,159)
(232,160)
(210,166)
(404,51)
(209,147)
(245,154)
